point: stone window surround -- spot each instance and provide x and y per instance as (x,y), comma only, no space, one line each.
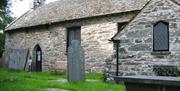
(160,53)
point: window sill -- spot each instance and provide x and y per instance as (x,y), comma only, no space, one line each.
(160,53)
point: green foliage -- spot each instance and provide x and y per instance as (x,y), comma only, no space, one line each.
(5,19)
(97,76)
(31,81)
(88,86)
(4,7)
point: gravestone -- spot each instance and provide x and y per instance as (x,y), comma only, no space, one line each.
(75,62)
(16,59)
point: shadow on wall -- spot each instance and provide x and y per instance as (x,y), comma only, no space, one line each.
(1,62)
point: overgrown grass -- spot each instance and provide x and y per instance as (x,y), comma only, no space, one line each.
(31,81)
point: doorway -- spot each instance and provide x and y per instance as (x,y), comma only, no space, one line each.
(73,33)
(38,58)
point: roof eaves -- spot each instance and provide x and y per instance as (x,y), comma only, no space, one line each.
(6,29)
(49,23)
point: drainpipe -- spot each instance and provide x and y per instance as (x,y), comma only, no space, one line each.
(117,58)
(117,42)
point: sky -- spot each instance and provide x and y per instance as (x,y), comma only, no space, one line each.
(19,7)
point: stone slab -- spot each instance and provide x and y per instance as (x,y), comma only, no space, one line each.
(150,83)
(16,59)
(56,89)
(158,80)
(76,61)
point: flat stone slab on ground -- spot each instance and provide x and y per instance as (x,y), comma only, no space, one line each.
(90,80)
(56,89)
(65,80)
(149,83)
(60,80)
(160,80)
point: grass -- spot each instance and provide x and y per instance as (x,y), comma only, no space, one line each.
(31,81)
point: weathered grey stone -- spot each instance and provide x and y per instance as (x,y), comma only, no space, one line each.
(76,70)
(52,41)
(130,73)
(126,56)
(56,89)
(149,83)
(60,80)
(149,40)
(14,57)
(177,40)
(139,47)
(148,26)
(140,33)
(123,50)
(138,41)
(131,63)
(173,25)
(124,40)
(175,33)
(141,27)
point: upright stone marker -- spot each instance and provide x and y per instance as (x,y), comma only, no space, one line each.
(16,59)
(75,62)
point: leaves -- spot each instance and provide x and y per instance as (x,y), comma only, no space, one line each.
(5,19)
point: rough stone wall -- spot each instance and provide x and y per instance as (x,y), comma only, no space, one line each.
(95,41)
(51,40)
(95,36)
(136,40)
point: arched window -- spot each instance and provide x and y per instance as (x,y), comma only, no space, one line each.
(161,36)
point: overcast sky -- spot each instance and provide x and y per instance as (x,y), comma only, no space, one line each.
(21,6)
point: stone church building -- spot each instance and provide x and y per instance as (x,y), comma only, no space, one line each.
(122,37)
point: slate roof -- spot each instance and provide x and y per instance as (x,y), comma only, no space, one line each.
(64,10)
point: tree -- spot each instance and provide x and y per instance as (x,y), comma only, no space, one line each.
(5,19)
